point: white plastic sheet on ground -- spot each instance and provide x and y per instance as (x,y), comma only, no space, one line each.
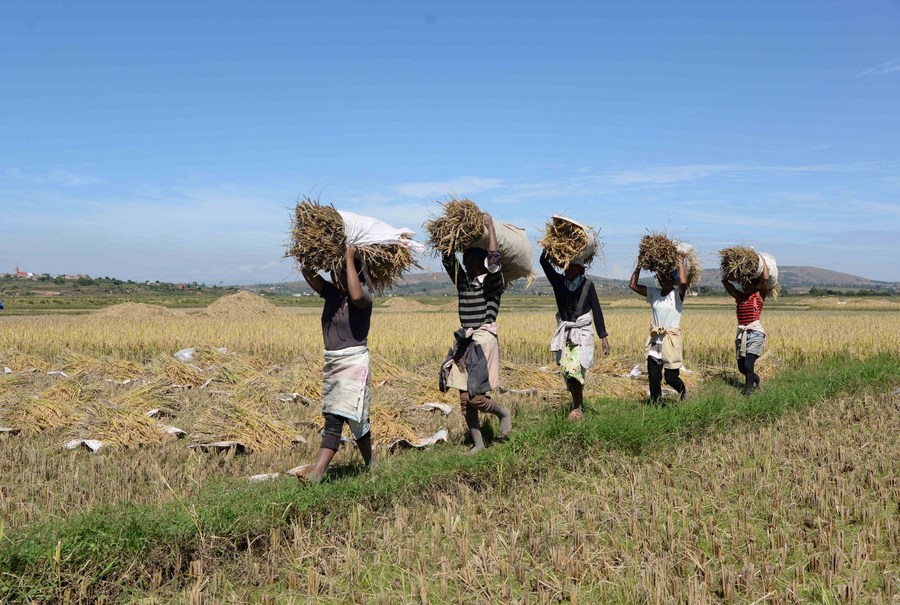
(59,373)
(90,444)
(431,406)
(438,437)
(9,431)
(7,370)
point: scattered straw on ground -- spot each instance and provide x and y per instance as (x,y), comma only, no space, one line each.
(181,374)
(739,263)
(243,305)
(459,227)
(388,426)
(118,426)
(37,414)
(22,362)
(134,311)
(564,241)
(242,423)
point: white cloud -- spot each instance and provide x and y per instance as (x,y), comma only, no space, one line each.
(884,68)
(464,185)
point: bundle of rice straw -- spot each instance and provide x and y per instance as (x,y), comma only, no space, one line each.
(118,426)
(565,241)
(239,422)
(694,268)
(319,240)
(182,374)
(739,263)
(388,426)
(459,227)
(37,414)
(146,397)
(658,253)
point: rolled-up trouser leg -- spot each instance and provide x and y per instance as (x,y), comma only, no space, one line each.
(482,403)
(331,436)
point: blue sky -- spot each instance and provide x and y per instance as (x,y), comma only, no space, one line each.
(168,140)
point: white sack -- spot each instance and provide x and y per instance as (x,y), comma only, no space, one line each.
(773,269)
(367,231)
(515,250)
(591,248)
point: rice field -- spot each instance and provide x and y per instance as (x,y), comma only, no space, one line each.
(254,378)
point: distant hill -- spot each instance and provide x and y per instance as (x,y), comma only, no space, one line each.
(806,277)
(438,284)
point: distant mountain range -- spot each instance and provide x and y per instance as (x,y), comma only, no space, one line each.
(798,277)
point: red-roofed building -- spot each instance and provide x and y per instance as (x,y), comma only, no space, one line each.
(23,274)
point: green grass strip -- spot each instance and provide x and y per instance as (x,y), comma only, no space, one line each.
(104,543)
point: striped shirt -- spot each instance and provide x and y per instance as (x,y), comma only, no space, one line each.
(479,298)
(749,308)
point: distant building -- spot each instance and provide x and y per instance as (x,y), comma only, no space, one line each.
(23,274)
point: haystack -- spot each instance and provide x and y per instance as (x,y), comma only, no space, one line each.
(134,312)
(255,430)
(739,263)
(320,235)
(566,241)
(408,305)
(243,305)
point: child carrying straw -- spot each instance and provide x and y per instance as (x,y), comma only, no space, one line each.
(346,390)
(473,364)
(751,337)
(577,307)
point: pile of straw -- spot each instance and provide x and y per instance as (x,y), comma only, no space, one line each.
(564,241)
(459,227)
(22,362)
(658,253)
(118,426)
(36,415)
(319,242)
(739,263)
(144,398)
(181,374)
(243,305)
(256,431)
(388,426)
(108,367)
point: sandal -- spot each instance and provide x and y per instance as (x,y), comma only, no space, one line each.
(575,415)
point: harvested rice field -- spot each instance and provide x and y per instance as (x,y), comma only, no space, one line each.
(790,496)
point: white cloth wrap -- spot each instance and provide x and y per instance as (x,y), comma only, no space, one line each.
(345,383)
(578,333)
(741,336)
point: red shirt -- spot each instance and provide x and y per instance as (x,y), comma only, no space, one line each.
(749,308)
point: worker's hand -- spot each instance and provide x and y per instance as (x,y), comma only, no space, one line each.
(604,344)
(488,221)
(350,254)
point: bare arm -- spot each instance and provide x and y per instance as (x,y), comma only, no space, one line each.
(634,285)
(682,276)
(729,287)
(314,280)
(764,279)
(492,235)
(359,297)
(552,274)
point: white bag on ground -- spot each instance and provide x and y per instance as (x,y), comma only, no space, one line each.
(367,231)
(515,250)
(773,269)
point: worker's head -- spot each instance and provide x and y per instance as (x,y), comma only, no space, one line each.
(749,286)
(667,280)
(474,261)
(341,278)
(574,270)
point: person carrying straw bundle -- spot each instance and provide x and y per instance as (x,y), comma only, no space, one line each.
(578,307)
(346,388)
(663,348)
(472,365)
(741,264)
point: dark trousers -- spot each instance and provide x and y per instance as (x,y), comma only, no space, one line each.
(331,435)
(655,372)
(747,367)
